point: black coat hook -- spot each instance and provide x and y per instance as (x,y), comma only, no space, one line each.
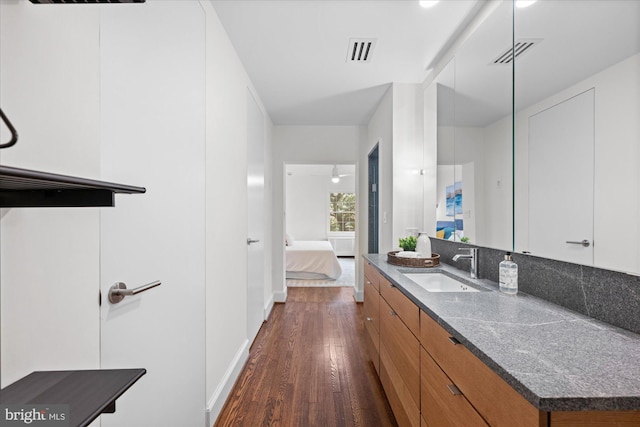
(14,133)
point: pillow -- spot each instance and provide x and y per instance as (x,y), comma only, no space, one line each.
(288,240)
(440,234)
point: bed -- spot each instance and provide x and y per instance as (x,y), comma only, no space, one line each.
(311,259)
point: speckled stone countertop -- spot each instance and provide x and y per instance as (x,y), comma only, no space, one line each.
(557,359)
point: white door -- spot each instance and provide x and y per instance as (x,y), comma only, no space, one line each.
(255,217)
(152,60)
(561,168)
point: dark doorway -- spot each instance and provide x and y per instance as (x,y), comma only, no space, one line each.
(373,200)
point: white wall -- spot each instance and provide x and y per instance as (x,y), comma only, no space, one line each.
(617,153)
(305,145)
(226,213)
(307,204)
(430,159)
(408,137)
(50,260)
(49,88)
(496,205)
(380,132)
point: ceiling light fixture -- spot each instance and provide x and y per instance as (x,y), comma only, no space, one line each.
(524,3)
(335,178)
(428,3)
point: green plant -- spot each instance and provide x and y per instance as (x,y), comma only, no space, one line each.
(408,243)
(464,239)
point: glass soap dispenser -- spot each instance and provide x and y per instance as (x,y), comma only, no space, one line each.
(508,275)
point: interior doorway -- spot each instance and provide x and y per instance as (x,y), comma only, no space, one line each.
(320,208)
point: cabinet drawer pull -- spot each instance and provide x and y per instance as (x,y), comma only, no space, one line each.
(393,313)
(369,319)
(454,341)
(368,282)
(454,390)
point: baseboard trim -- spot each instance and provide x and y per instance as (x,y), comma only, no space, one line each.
(358,295)
(268,308)
(280,296)
(219,397)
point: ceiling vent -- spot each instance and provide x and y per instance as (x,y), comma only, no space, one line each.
(360,50)
(83,1)
(519,48)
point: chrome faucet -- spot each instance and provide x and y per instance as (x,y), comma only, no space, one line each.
(473,256)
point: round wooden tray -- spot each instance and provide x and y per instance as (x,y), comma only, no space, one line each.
(433,261)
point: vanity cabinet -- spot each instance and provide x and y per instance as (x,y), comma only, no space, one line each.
(371,311)
(442,404)
(400,354)
(493,399)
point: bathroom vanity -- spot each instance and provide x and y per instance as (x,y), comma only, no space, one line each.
(476,357)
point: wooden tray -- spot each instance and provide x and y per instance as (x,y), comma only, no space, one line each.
(433,261)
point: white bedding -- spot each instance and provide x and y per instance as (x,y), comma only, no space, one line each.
(312,259)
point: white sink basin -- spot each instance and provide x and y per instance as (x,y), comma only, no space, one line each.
(438,282)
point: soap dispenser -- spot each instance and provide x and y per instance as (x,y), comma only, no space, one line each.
(508,275)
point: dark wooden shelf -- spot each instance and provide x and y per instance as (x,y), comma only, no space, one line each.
(29,188)
(88,393)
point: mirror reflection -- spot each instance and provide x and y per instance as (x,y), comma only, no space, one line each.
(474,98)
(577,132)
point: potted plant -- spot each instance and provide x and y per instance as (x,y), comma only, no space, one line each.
(408,243)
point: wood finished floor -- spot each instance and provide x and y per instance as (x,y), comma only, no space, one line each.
(308,367)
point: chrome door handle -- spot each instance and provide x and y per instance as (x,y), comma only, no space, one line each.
(250,241)
(119,290)
(584,243)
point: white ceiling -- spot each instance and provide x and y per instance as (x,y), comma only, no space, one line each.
(295,51)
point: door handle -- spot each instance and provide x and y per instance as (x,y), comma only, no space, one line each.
(584,243)
(119,290)
(250,241)
(454,390)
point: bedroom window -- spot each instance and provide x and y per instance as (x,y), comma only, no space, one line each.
(342,212)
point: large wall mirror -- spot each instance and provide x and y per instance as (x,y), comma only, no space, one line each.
(577,132)
(474,138)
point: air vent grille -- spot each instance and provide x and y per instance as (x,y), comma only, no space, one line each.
(360,50)
(83,1)
(519,48)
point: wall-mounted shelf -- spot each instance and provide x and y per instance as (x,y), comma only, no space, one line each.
(22,188)
(87,393)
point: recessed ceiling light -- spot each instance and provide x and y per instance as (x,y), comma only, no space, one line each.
(524,3)
(428,3)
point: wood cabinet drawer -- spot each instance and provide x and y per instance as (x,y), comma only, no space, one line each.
(371,306)
(371,276)
(595,419)
(405,409)
(402,348)
(403,306)
(372,339)
(497,402)
(439,406)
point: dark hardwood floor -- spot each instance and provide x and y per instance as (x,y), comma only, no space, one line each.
(308,367)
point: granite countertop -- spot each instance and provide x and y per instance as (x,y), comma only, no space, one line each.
(557,359)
